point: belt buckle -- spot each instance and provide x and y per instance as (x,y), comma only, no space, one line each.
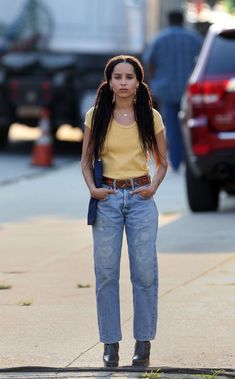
(123,185)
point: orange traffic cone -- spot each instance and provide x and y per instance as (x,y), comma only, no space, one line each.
(42,154)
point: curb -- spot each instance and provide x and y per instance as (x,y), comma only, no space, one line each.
(38,372)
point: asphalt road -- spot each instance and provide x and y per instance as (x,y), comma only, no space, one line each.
(20,198)
(16,159)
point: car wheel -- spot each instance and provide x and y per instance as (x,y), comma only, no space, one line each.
(3,137)
(203,196)
(230,192)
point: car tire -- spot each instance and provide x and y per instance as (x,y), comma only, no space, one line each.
(3,137)
(203,196)
(230,192)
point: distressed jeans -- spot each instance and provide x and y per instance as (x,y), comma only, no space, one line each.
(139,217)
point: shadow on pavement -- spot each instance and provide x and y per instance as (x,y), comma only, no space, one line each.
(209,231)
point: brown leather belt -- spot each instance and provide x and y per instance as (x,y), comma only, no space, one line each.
(127,183)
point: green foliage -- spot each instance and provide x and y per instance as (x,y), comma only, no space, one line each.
(229,5)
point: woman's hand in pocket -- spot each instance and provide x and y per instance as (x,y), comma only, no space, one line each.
(145,192)
(102,193)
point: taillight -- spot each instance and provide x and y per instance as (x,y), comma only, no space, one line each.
(14,87)
(46,87)
(208,92)
(200,140)
(14,84)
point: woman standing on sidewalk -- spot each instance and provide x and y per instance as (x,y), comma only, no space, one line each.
(124,129)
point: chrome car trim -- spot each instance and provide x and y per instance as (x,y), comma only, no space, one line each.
(226,135)
(197,122)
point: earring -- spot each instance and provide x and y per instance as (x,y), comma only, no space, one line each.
(110,86)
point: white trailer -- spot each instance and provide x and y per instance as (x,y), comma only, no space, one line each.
(85,26)
(76,36)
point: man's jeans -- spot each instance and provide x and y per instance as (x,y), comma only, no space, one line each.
(140,218)
(173,133)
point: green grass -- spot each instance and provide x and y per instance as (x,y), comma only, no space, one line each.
(25,303)
(151,375)
(83,285)
(213,375)
(156,375)
(5,286)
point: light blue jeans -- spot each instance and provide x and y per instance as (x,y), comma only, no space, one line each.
(140,218)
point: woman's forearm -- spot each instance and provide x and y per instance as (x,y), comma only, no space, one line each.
(158,176)
(160,159)
(88,176)
(86,161)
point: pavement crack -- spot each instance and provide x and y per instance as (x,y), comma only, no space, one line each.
(91,347)
(128,319)
(81,354)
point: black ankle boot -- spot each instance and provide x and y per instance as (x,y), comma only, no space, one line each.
(111,356)
(141,354)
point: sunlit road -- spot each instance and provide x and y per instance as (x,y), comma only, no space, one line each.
(28,191)
(16,159)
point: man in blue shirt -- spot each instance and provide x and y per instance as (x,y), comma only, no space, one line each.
(169,61)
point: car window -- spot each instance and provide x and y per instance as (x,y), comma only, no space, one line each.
(221,57)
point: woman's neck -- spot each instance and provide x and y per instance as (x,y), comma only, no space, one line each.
(124,112)
(123,105)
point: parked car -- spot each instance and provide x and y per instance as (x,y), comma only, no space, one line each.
(208,121)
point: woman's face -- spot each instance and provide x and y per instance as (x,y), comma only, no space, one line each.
(124,81)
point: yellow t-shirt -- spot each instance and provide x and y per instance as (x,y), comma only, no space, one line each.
(122,154)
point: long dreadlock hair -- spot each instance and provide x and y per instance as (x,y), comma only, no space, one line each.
(104,106)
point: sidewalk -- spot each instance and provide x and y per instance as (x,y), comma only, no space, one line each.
(47,261)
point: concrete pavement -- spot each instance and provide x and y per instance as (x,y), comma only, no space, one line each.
(46,258)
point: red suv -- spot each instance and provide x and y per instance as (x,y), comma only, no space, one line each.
(208,121)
